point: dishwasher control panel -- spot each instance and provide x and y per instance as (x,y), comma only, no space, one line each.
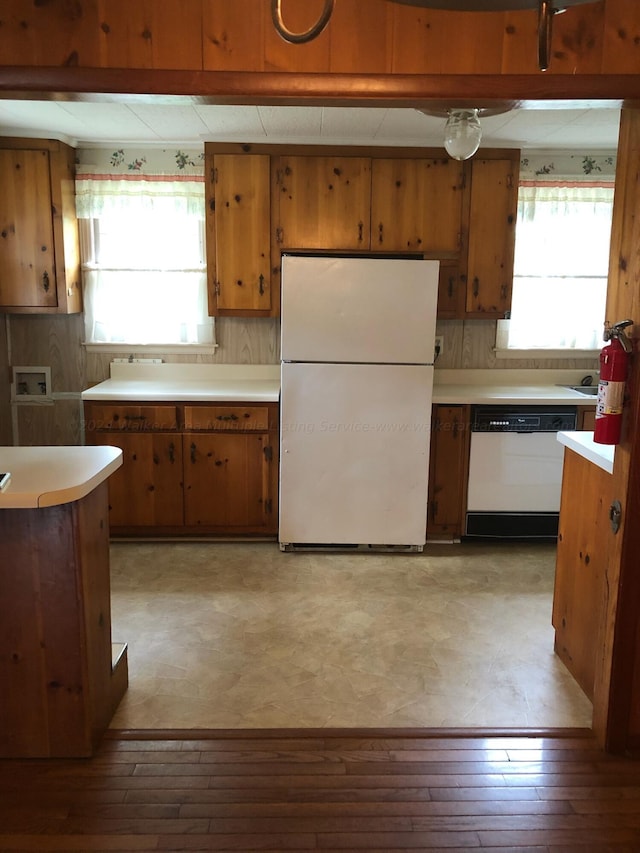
(523,418)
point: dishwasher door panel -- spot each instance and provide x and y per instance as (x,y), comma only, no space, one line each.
(515,472)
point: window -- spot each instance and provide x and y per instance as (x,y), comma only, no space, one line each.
(143,260)
(563,235)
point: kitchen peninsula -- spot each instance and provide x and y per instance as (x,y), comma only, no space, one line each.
(61,677)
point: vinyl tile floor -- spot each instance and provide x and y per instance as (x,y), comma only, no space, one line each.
(241,635)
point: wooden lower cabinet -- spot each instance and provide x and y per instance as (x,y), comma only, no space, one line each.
(581,564)
(216,473)
(586,418)
(147,490)
(227,481)
(60,680)
(448,471)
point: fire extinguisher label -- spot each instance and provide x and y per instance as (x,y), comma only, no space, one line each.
(610,398)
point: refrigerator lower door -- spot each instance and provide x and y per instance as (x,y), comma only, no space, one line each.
(354,454)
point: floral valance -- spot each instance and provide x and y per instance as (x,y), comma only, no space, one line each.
(112,180)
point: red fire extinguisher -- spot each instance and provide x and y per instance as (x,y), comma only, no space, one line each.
(614,364)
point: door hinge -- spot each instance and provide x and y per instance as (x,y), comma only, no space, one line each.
(279,236)
(216,288)
(268,453)
(214,176)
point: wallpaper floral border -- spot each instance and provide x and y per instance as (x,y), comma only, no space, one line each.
(141,160)
(554,165)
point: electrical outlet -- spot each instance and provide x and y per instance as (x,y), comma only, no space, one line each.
(439,346)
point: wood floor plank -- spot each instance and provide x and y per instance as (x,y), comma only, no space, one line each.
(339,792)
(376,808)
(83,843)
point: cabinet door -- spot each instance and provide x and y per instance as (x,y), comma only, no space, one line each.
(228,481)
(451,291)
(322,202)
(147,490)
(238,234)
(492,223)
(27,256)
(448,471)
(416,205)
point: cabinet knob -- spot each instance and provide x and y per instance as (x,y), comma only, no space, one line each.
(226,417)
(45,281)
(476,286)
(172,453)
(193,452)
(261,285)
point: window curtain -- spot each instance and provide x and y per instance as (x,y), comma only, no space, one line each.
(146,284)
(561,264)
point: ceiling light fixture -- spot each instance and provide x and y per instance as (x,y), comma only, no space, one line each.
(546,10)
(462,134)
(463,131)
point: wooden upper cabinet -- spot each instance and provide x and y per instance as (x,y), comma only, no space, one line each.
(238,234)
(266,199)
(451,291)
(416,205)
(493,206)
(322,202)
(39,250)
(27,257)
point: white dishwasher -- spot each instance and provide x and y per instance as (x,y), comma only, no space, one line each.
(515,470)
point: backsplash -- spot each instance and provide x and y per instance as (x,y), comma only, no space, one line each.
(470,344)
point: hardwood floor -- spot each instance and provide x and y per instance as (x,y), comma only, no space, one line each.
(284,790)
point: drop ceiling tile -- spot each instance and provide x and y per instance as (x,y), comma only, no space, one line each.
(109,123)
(85,123)
(239,123)
(37,119)
(291,122)
(359,124)
(173,123)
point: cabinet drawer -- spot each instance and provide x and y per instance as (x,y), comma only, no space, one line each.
(131,418)
(237,418)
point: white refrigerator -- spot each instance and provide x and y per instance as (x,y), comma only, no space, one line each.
(357,348)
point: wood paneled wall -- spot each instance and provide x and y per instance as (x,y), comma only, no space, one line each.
(57,342)
(617,687)
(54,342)
(370,37)
(5,387)
(471,344)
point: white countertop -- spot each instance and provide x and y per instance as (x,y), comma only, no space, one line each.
(510,386)
(583,444)
(261,384)
(189,382)
(49,476)
(498,395)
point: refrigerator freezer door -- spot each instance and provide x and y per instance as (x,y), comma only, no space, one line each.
(355,454)
(362,310)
